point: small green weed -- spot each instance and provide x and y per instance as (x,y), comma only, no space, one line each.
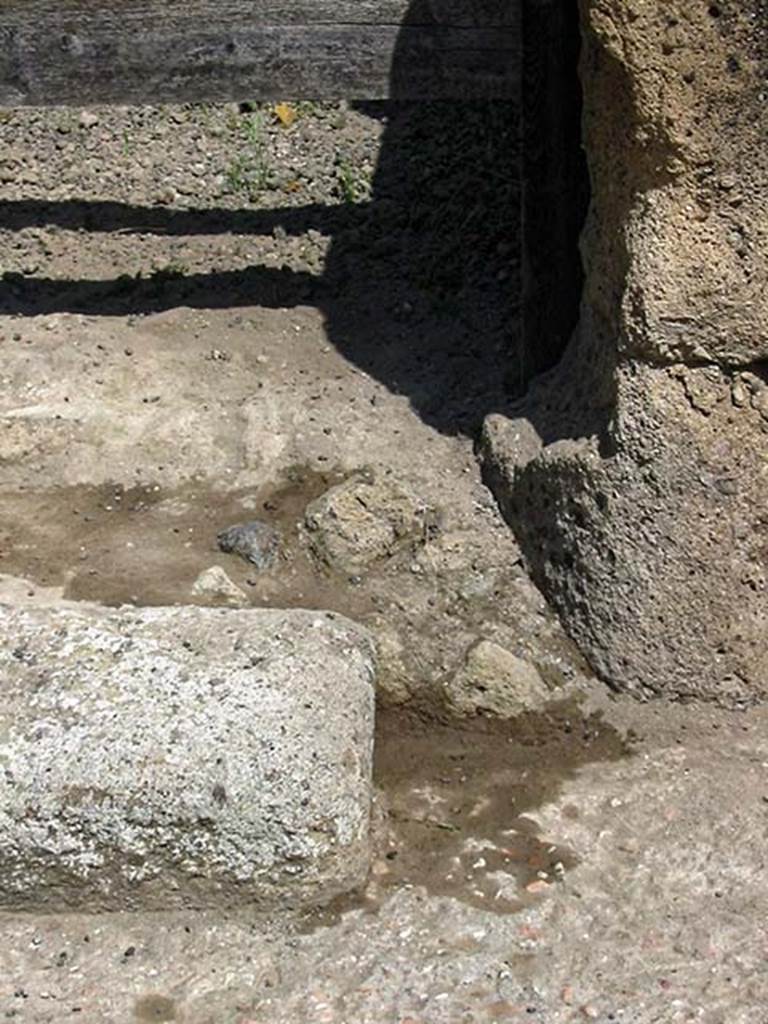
(249,171)
(352,183)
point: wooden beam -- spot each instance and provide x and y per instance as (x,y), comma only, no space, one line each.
(82,52)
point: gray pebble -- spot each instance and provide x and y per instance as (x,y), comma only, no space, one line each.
(256,542)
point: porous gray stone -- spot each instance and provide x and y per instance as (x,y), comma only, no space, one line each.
(646,534)
(161,758)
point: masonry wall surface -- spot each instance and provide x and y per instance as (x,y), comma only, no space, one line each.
(636,474)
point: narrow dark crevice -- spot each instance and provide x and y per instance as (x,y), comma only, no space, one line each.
(556,187)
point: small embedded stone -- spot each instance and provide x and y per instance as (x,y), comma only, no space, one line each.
(494,681)
(88,119)
(216,585)
(257,542)
(362,521)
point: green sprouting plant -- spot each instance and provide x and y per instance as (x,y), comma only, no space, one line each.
(351,181)
(308,108)
(253,129)
(173,270)
(249,171)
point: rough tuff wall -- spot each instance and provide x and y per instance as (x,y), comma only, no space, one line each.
(676,118)
(636,474)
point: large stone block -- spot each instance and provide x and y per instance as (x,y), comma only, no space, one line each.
(645,524)
(161,758)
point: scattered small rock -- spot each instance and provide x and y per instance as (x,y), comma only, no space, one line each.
(88,119)
(393,689)
(214,583)
(538,887)
(167,196)
(758,391)
(739,394)
(257,542)
(760,402)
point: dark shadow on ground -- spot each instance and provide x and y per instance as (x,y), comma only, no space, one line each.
(106,216)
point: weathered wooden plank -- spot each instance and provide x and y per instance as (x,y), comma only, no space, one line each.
(79,52)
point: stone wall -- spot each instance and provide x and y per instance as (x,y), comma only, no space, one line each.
(636,474)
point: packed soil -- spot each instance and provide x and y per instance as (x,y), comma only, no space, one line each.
(217,313)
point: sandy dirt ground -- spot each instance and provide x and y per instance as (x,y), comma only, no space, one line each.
(214,314)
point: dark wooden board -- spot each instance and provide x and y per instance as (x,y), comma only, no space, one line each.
(82,52)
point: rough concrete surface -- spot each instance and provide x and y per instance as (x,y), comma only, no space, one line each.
(635,474)
(182,757)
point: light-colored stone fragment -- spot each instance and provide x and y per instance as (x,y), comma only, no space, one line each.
(362,521)
(214,584)
(18,590)
(193,757)
(393,678)
(493,681)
